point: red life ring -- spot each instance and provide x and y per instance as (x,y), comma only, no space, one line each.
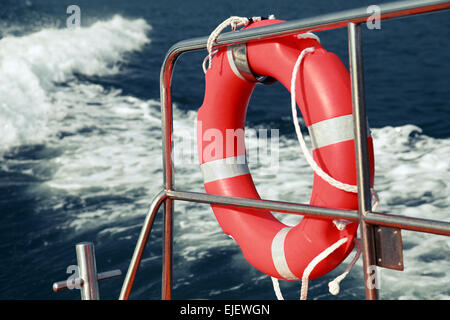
(324,96)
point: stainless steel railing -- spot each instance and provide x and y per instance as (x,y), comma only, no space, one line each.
(352,19)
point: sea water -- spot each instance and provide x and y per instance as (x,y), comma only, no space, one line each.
(80,146)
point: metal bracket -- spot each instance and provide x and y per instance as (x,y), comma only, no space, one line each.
(239,56)
(388,248)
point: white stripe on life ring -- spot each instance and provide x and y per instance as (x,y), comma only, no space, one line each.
(224,168)
(332,131)
(278,256)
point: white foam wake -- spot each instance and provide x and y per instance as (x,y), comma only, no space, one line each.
(412,175)
(31,65)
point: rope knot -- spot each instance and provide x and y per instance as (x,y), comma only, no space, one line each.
(234,22)
(333,287)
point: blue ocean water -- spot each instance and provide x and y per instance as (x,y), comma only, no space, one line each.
(80,140)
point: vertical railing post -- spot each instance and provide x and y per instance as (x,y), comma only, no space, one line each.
(88,271)
(166,289)
(167,146)
(362,157)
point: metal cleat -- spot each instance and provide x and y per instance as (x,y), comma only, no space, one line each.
(87,278)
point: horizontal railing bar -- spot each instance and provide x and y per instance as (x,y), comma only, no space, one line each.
(318,23)
(278,206)
(374,218)
(409,223)
(62,285)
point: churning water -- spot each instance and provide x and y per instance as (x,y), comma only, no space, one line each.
(80,151)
